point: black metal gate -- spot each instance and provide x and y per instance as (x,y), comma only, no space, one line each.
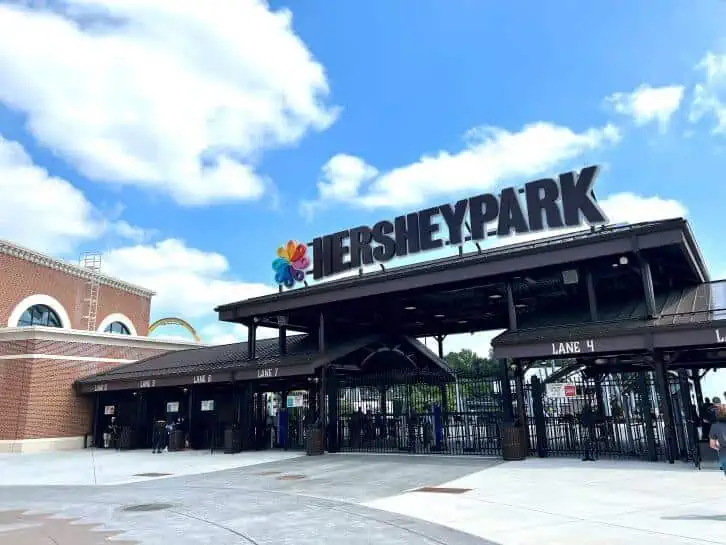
(624,417)
(419,413)
(294,420)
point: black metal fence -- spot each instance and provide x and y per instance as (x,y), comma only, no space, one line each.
(420,413)
(611,416)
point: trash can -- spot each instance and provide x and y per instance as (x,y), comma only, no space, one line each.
(125,439)
(314,442)
(514,442)
(176,440)
(232,441)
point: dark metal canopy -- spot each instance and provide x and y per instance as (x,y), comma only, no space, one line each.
(483,290)
(231,363)
(689,330)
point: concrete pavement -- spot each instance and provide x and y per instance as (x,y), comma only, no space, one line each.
(275,497)
(299,500)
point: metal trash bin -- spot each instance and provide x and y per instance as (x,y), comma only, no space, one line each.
(514,442)
(314,442)
(176,440)
(125,440)
(232,441)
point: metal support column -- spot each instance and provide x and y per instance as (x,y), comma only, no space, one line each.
(521,406)
(507,402)
(332,413)
(322,349)
(644,391)
(440,343)
(696,378)
(511,309)
(599,398)
(282,334)
(94,425)
(591,297)
(540,424)
(251,340)
(649,294)
(666,408)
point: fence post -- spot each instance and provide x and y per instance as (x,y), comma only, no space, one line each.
(539,416)
(645,409)
(687,415)
(664,394)
(331,413)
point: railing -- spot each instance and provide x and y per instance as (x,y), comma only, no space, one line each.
(464,415)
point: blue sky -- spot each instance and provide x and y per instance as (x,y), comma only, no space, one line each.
(188,141)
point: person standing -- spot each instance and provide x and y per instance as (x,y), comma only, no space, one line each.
(157,440)
(587,423)
(706,418)
(115,434)
(717,435)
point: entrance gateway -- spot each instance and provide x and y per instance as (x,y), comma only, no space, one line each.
(628,315)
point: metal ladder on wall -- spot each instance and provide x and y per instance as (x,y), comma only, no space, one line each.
(92,262)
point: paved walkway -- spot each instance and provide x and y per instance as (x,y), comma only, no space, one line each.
(109,467)
(283,498)
(295,501)
(563,502)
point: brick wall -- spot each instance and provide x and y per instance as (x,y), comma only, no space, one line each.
(37,399)
(23,278)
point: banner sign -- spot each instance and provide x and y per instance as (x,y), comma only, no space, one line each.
(559,389)
(295,401)
(548,203)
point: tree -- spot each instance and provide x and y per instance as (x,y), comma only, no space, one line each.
(468,361)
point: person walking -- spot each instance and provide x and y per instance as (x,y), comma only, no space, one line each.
(717,435)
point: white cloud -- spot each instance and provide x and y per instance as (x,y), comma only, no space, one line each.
(180,97)
(189,282)
(131,232)
(228,333)
(40,211)
(491,157)
(709,96)
(648,104)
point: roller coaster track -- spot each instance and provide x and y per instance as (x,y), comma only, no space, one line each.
(175,321)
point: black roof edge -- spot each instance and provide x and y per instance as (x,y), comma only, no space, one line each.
(694,250)
(427,352)
(143,361)
(543,244)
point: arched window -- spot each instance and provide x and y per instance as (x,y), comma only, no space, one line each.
(117,327)
(41,315)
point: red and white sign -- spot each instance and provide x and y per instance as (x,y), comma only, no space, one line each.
(558,389)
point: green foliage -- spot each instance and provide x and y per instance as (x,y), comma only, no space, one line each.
(469,362)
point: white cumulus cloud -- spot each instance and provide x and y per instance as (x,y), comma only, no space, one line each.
(178,97)
(47,213)
(648,104)
(491,157)
(709,95)
(189,282)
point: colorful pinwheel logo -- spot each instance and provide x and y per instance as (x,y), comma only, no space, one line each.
(291,263)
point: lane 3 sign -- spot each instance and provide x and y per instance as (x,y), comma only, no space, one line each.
(573,347)
(548,203)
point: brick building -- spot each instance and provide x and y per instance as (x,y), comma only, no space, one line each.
(60,322)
